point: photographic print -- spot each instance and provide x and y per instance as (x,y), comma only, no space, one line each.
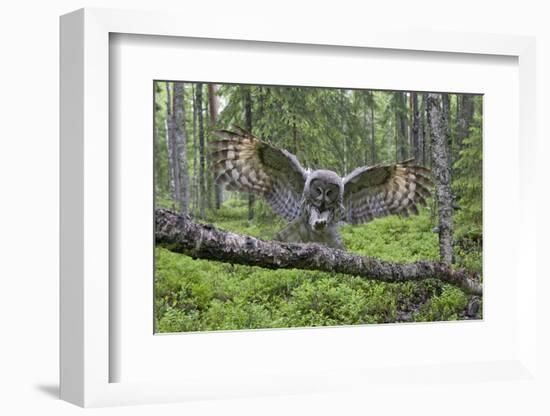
(288,206)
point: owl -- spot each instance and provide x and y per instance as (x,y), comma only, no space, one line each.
(315,202)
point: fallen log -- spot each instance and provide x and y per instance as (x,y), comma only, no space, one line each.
(204,241)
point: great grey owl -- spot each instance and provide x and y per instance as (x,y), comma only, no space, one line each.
(315,202)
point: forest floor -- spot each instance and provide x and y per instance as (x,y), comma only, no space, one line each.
(201,295)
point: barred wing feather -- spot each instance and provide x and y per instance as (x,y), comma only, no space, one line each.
(377,191)
(243,163)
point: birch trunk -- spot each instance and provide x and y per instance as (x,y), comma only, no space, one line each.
(180,138)
(442,174)
(175,186)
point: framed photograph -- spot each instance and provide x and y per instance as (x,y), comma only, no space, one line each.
(281,213)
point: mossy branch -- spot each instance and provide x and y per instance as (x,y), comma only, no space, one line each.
(182,235)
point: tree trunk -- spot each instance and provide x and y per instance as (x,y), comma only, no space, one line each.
(172,140)
(214,102)
(196,192)
(396,128)
(415,127)
(156,141)
(427,134)
(210,183)
(372,135)
(180,134)
(416,132)
(168,128)
(465,115)
(248,123)
(410,117)
(202,154)
(442,174)
(181,235)
(446,109)
(400,126)
(403,126)
(422,131)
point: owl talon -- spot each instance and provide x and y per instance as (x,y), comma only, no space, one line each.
(320,225)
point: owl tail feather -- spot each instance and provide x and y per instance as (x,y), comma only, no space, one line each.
(292,232)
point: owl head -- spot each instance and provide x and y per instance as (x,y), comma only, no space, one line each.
(323,198)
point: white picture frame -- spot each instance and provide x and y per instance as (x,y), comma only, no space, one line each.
(86,353)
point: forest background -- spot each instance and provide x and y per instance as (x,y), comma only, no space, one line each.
(337,129)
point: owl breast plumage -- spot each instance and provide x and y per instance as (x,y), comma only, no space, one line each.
(315,202)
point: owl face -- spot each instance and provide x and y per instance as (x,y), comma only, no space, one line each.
(323,195)
(324,189)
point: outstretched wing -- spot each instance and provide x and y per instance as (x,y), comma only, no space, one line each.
(244,163)
(377,191)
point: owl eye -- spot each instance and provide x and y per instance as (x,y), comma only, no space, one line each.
(318,191)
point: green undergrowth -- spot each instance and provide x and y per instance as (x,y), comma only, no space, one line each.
(199,295)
